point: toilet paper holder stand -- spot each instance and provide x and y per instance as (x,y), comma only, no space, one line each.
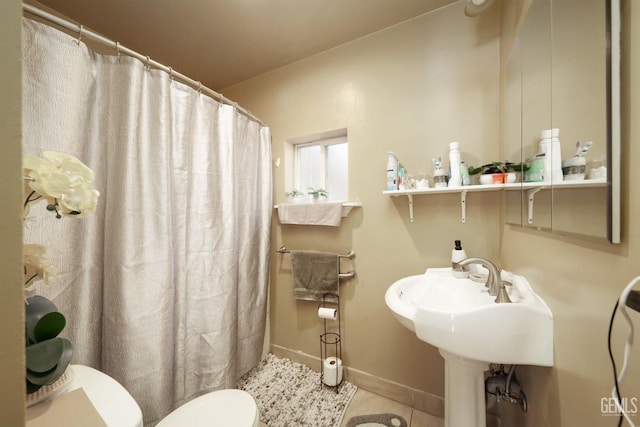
(331,346)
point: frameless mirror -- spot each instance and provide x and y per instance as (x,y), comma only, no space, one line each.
(565,62)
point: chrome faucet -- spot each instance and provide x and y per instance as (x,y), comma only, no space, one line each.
(494,281)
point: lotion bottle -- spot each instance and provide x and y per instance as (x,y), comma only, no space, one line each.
(457,255)
(454,165)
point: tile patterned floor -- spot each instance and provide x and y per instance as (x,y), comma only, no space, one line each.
(365,402)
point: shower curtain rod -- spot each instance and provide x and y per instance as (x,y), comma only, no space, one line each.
(83,32)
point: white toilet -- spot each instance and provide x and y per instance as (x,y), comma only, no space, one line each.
(234,408)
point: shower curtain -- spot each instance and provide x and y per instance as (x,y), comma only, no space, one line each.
(164,287)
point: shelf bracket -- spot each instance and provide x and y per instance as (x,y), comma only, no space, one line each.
(463,205)
(530,198)
(410,196)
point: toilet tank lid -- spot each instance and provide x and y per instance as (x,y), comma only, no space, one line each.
(112,401)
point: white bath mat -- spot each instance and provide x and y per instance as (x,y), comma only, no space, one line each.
(289,394)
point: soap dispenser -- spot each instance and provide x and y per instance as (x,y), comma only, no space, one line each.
(457,255)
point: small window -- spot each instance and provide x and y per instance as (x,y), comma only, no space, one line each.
(322,161)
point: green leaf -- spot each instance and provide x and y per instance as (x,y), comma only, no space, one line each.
(49,326)
(41,324)
(44,356)
(473,171)
(51,376)
(36,307)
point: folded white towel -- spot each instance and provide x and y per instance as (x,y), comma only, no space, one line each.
(322,213)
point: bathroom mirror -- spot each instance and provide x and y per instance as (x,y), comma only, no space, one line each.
(563,73)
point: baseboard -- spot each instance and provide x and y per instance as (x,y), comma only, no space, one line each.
(417,399)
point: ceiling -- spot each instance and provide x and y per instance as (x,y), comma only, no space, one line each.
(223,42)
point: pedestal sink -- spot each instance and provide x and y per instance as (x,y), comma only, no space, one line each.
(461,319)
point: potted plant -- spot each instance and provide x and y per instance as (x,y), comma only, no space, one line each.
(294,196)
(513,171)
(496,172)
(47,354)
(317,193)
(65,184)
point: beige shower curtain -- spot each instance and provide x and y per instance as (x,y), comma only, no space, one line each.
(165,287)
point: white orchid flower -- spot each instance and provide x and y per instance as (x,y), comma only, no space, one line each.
(69,165)
(62,180)
(36,266)
(81,198)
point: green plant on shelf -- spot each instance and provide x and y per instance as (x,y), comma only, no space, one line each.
(294,193)
(317,193)
(496,167)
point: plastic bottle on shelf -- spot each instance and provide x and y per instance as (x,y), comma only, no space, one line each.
(440,176)
(392,171)
(454,165)
(457,255)
(464,171)
(550,146)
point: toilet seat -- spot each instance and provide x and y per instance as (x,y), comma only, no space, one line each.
(228,408)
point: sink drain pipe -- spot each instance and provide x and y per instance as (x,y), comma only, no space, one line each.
(505,386)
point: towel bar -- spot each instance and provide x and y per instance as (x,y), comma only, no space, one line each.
(348,275)
(351,254)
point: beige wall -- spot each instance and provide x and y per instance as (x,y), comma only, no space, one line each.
(581,282)
(370,86)
(411,89)
(11,295)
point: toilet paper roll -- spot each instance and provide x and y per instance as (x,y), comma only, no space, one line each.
(332,371)
(327,313)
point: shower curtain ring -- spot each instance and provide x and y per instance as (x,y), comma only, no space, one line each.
(80,34)
(146,65)
(170,74)
(199,87)
(118,50)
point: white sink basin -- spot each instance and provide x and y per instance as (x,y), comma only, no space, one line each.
(460,317)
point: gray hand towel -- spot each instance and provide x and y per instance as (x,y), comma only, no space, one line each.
(314,275)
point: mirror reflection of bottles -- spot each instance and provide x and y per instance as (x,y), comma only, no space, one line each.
(392,171)
(550,146)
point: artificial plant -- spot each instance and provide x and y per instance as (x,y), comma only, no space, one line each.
(65,183)
(316,193)
(496,167)
(47,354)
